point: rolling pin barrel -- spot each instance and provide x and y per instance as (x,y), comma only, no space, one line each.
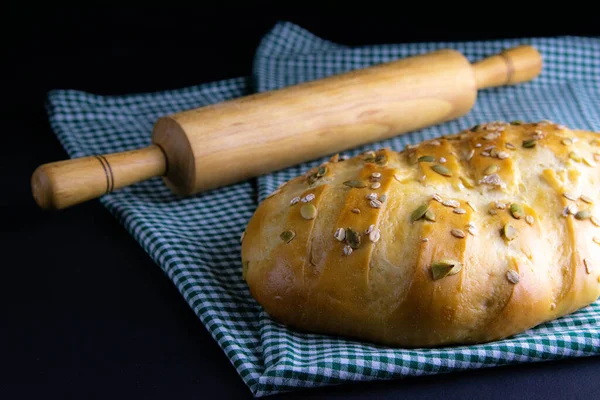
(225,143)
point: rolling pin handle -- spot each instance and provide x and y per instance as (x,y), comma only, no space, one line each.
(66,183)
(515,65)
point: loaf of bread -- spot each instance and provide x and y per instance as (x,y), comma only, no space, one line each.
(468,238)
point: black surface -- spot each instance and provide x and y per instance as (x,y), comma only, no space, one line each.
(84,311)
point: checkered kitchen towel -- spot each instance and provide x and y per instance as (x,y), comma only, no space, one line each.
(196,240)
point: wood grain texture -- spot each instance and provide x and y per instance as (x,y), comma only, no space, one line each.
(510,67)
(63,184)
(258,134)
(229,142)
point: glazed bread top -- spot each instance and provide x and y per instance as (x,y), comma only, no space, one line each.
(467,238)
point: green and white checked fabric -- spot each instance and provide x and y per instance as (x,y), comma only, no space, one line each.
(196,240)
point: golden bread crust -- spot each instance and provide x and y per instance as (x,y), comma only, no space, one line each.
(506,238)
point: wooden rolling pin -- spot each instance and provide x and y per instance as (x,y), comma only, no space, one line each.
(225,143)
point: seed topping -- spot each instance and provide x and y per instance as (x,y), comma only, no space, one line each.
(493,180)
(440,169)
(516,210)
(513,276)
(340,234)
(287,236)
(430,216)
(583,214)
(375,235)
(441,269)
(347,250)
(375,203)
(457,233)
(492,169)
(426,159)
(308,198)
(380,159)
(509,232)
(308,211)
(353,238)
(355,184)
(369,156)
(419,212)
(451,203)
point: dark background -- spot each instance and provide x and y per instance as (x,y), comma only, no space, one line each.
(84,311)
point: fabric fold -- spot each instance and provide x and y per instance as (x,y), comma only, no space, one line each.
(195,240)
